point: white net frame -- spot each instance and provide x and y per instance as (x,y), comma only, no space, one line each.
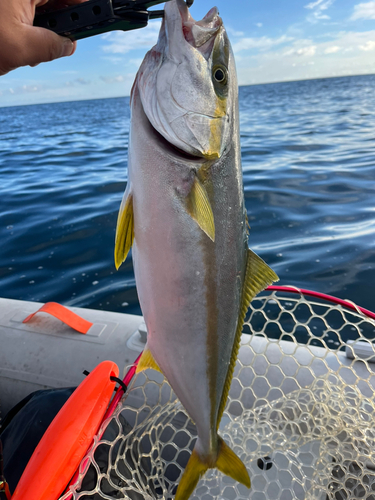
(300,414)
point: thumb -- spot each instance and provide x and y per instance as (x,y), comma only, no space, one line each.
(42,45)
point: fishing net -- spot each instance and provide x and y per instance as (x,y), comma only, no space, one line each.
(300,414)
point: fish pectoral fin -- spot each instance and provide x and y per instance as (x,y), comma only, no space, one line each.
(227,462)
(258,276)
(231,465)
(147,361)
(124,229)
(199,208)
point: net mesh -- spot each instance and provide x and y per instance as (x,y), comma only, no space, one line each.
(299,414)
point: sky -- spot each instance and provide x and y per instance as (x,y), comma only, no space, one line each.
(272,41)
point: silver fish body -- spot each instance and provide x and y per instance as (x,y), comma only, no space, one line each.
(183,212)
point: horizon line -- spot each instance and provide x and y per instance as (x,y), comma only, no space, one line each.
(239,86)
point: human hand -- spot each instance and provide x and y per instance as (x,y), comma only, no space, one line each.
(23,44)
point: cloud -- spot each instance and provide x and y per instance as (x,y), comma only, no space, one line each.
(303,51)
(136,62)
(346,53)
(364,11)
(369,45)
(77,81)
(318,7)
(259,25)
(332,50)
(234,33)
(113,79)
(24,89)
(83,81)
(261,43)
(120,42)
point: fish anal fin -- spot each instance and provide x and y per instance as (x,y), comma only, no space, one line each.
(199,208)
(147,361)
(258,276)
(231,465)
(124,230)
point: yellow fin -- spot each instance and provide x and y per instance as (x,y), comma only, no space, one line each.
(147,361)
(257,277)
(227,462)
(124,230)
(199,207)
(231,465)
(193,472)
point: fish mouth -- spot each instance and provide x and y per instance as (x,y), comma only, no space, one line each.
(176,84)
(171,148)
(199,34)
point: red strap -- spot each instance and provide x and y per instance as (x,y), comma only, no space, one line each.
(65,315)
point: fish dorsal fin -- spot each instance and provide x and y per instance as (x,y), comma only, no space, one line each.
(147,361)
(258,276)
(124,229)
(199,208)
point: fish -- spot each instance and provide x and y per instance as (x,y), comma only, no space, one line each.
(183,215)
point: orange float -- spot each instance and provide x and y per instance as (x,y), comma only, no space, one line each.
(67,439)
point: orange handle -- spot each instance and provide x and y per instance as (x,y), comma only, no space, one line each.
(65,315)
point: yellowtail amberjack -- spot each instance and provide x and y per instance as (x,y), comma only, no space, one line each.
(183,212)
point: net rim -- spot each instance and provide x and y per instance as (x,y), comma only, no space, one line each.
(273,288)
(329,298)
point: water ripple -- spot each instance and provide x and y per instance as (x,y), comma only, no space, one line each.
(308,152)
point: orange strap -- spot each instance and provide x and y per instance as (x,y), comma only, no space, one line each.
(65,315)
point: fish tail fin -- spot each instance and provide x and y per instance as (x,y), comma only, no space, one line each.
(231,465)
(193,472)
(227,462)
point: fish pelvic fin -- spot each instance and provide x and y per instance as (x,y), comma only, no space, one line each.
(227,462)
(124,229)
(199,208)
(147,361)
(257,277)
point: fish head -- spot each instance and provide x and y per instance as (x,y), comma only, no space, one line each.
(187,82)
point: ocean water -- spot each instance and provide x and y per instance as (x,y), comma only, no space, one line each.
(308,153)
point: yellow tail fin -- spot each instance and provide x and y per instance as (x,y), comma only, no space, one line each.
(231,465)
(227,462)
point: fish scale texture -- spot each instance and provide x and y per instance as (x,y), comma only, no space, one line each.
(299,415)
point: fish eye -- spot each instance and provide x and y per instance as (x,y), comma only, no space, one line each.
(220,74)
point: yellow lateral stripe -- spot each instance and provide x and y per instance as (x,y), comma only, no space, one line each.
(216,130)
(258,276)
(124,232)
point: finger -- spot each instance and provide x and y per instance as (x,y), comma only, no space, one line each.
(39,3)
(41,45)
(58,4)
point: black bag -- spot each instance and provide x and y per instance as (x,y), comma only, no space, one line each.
(24,426)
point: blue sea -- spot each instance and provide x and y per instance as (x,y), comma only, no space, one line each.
(308,157)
